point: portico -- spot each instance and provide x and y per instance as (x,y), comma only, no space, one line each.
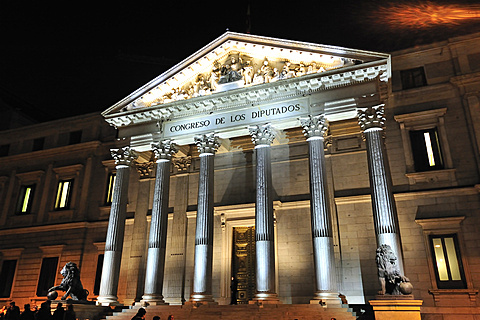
(240,88)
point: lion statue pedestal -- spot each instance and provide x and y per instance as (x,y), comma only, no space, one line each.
(71,284)
(394,300)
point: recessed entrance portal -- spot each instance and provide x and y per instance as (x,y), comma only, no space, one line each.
(243,265)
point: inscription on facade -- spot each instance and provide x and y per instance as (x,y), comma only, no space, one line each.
(257,114)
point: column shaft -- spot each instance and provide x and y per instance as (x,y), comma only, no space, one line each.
(158,235)
(383,202)
(372,121)
(323,253)
(264,236)
(264,222)
(114,240)
(202,276)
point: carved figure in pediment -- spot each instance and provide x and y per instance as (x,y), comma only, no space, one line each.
(199,85)
(288,71)
(312,68)
(258,77)
(275,75)
(266,71)
(248,73)
(300,70)
(230,71)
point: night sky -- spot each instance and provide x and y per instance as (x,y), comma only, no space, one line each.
(63,60)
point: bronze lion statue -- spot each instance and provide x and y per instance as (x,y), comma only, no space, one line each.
(391,281)
(71,283)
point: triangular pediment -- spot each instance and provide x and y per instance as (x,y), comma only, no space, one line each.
(236,61)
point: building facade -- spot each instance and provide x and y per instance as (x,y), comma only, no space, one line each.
(277,163)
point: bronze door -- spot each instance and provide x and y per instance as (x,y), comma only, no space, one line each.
(243,265)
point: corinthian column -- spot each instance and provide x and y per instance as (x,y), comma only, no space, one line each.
(116,228)
(202,277)
(262,137)
(314,128)
(158,227)
(372,121)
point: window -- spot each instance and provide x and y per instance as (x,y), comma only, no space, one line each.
(62,199)
(38,144)
(75,137)
(448,264)
(98,274)
(413,78)
(25,199)
(6,277)
(428,160)
(48,273)
(110,187)
(426,150)
(4,150)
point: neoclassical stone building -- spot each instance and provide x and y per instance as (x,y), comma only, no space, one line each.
(276,163)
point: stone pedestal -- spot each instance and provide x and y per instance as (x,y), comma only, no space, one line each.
(84,310)
(396,309)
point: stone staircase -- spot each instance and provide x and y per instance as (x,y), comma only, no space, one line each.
(242,312)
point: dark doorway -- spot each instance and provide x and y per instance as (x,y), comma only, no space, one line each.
(243,265)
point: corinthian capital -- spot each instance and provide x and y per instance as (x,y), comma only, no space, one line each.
(182,163)
(164,149)
(372,117)
(144,169)
(262,134)
(207,143)
(123,156)
(314,126)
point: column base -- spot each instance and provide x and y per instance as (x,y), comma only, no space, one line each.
(396,309)
(265,298)
(201,299)
(152,300)
(327,299)
(108,301)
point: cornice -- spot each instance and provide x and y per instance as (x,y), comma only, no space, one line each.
(283,89)
(53,152)
(52,227)
(466,79)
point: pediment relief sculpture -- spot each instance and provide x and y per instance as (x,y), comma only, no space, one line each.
(236,70)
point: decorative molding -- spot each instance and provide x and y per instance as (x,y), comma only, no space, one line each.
(314,126)
(372,117)
(164,149)
(438,225)
(68,171)
(53,249)
(207,143)
(436,176)
(440,295)
(182,164)
(262,134)
(10,254)
(123,156)
(144,169)
(289,88)
(30,177)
